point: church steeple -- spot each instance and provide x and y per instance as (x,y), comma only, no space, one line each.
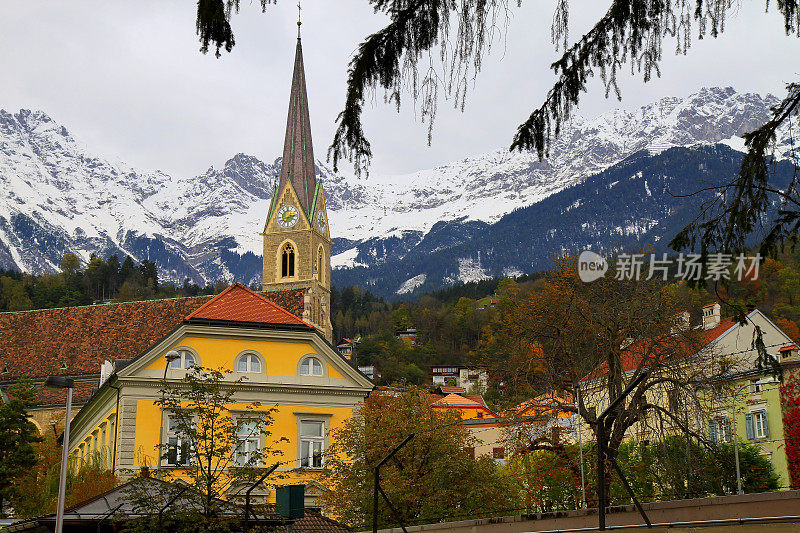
(298,153)
(297,239)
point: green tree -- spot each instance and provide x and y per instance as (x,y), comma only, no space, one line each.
(433,477)
(17,438)
(70,263)
(35,492)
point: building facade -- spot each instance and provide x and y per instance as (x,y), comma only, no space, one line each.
(741,401)
(285,364)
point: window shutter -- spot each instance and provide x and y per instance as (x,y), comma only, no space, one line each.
(727,423)
(766,424)
(748,424)
(712,430)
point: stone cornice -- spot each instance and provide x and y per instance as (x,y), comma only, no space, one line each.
(288,388)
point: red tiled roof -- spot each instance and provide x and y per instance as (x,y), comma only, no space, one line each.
(81,393)
(787,348)
(314,522)
(632,357)
(451,390)
(75,341)
(237,303)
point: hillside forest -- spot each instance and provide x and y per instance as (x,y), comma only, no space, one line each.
(453,325)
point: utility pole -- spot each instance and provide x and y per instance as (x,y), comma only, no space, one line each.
(603,457)
(378,489)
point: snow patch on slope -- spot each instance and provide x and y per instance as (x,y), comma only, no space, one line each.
(411,284)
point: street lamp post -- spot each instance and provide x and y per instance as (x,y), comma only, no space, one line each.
(735,438)
(171,356)
(62,382)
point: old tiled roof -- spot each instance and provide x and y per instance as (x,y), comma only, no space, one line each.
(632,357)
(452,390)
(314,522)
(75,341)
(237,303)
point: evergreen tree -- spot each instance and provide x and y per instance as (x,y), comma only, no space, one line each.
(17,436)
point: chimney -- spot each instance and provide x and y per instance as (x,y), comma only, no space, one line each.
(711,315)
(788,352)
(680,323)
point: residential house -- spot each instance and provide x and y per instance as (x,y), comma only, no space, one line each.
(408,335)
(371,371)
(285,363)
(76,341)
(473,379)
(346,348)
(740,401)
(467,405)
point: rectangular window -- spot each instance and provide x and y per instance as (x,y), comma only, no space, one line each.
(672,400)
(760,424)
(755,386)
(178,446)
(312,443)
(719,429)
(248,444)
(498,453)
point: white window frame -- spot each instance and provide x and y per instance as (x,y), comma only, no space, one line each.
(307,359)
(169,434)
(759,424)
(180,363)
(250,355)
(253,442)
(722,426)
(320,442)
(756,386)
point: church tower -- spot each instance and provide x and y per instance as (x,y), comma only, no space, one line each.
(297,242)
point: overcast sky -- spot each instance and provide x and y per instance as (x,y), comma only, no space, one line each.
(127,79)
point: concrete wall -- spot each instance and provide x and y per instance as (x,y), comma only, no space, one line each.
(725,509)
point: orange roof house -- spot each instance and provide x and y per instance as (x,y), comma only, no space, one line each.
(468,405)
(75,341)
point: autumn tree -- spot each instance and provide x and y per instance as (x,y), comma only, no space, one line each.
(35,491)
(571,339)
(433,477)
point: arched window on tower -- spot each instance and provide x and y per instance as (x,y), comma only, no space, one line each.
(287,261)
(320,265)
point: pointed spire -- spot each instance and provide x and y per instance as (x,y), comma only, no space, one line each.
(298,153)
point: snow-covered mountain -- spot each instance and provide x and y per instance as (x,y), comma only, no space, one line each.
(58,197)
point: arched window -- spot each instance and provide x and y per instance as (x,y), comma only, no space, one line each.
(186,360)
(287,261)
(311,366)
(320,265)
(248,362)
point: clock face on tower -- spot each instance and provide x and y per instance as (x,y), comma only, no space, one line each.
(321,220)
(288,216)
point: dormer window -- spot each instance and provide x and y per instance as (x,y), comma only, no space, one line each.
(185,361)
(311,366)
(248,362)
